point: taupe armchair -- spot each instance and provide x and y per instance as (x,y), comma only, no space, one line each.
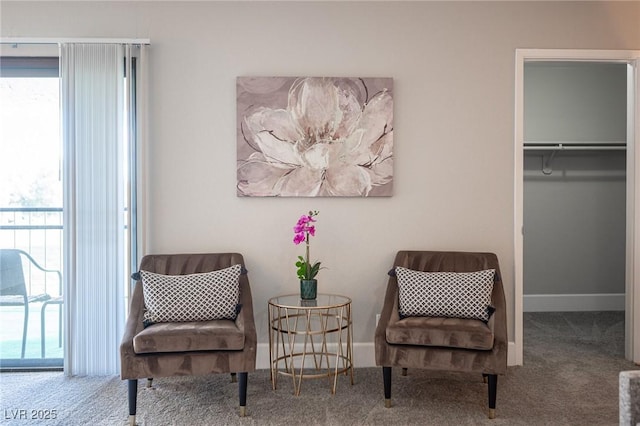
(188,348)
(440,343)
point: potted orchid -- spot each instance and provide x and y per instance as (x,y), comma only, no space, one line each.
(307,272)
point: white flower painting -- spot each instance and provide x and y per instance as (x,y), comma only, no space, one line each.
(314,137)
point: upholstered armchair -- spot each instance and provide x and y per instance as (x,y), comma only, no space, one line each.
(446,337)
(156,346)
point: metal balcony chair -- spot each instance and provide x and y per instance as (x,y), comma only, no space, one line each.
(13,288)
(55,300)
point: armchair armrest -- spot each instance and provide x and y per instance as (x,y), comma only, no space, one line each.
(389,313)
(245,320)
(134,322)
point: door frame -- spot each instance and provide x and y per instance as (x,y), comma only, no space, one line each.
(632,285)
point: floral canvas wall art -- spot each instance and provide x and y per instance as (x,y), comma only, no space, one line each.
(314,137)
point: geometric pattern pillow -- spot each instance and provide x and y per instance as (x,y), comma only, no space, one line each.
(194,297)
(445,294)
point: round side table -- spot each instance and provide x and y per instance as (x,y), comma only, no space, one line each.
(310,339)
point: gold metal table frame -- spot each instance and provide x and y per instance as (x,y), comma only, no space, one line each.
(310,339)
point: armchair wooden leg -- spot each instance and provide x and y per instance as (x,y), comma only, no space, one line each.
(493,391)
(484,378)
(150,382)
(242,392)
(233,378)
(386,376)
(133,397)
(404,371)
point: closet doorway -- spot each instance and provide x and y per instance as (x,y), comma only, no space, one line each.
(575,192)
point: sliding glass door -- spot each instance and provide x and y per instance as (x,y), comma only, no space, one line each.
(70,132)
(31,250)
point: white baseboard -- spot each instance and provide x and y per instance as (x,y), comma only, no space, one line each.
(363,355)
(573,302)
(512,358)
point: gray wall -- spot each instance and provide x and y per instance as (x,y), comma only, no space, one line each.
(575,101)
(574,218)
(453,70)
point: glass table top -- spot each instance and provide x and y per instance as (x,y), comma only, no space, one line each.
(322,301)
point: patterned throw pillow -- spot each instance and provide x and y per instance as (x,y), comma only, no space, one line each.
(445,294)
(194,297)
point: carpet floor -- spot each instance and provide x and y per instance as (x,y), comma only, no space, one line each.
(569,377)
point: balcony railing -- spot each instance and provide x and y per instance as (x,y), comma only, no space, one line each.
(37,231)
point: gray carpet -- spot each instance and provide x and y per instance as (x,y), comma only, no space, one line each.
(570,377)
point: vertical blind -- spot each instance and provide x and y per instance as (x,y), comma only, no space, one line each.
(99,127)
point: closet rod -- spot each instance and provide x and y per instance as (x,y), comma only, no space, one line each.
(574,147)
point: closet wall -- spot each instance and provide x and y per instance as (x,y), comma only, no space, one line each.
(574,199)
